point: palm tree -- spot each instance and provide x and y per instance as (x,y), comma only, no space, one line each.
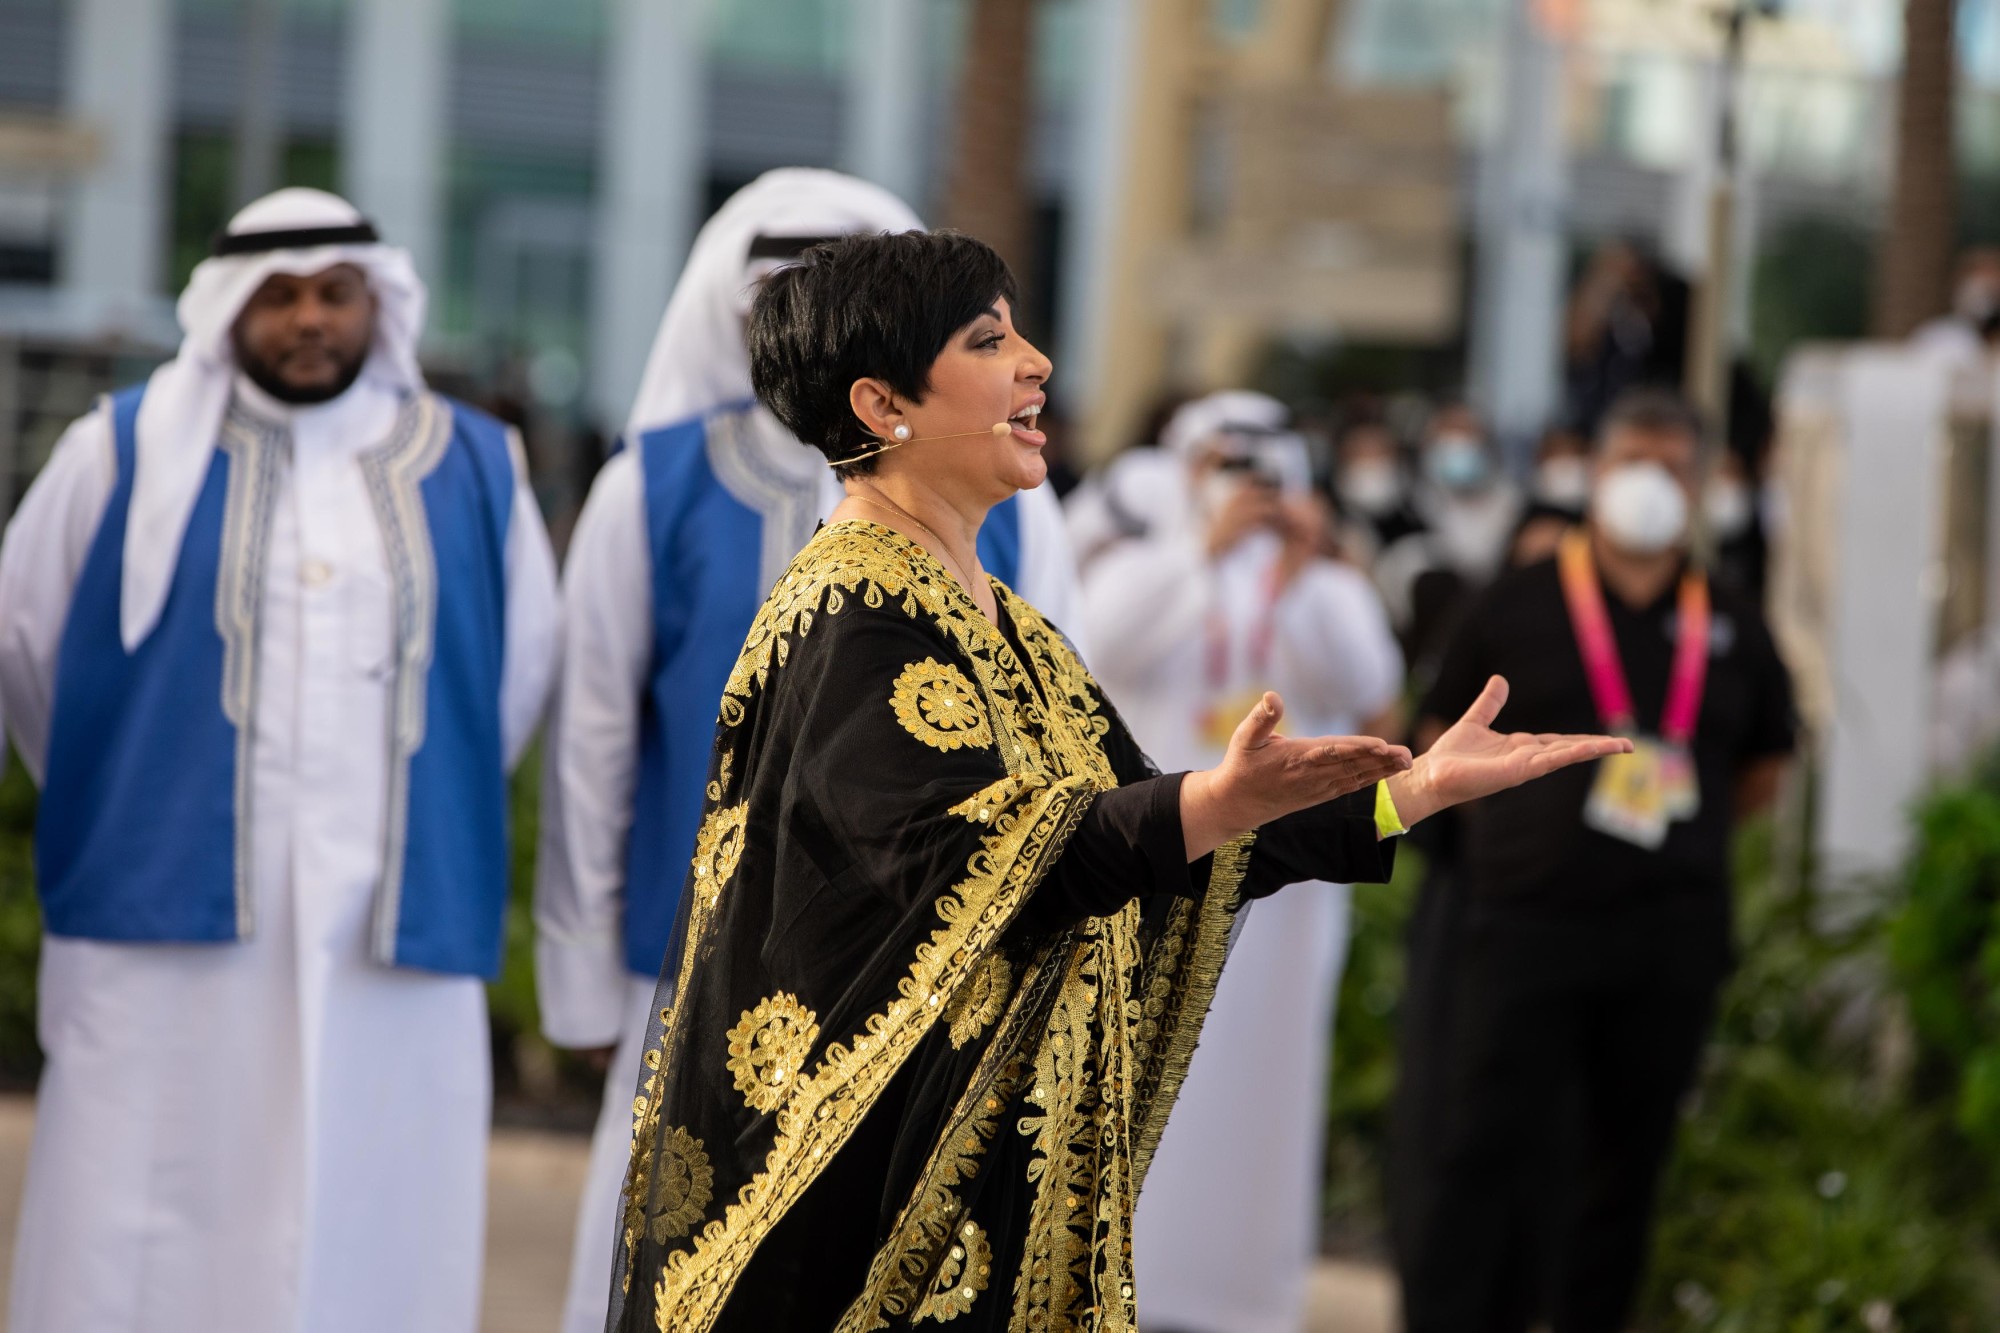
(1913,267)
(986,190)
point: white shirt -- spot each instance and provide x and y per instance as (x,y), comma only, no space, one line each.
(319,1162)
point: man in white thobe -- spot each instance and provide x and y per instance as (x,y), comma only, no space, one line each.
(273,625)
(683,534)
(1225,598)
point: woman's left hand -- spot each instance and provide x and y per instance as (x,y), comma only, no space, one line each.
(1472,760)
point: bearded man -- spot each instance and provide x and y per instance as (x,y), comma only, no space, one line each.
(273,627)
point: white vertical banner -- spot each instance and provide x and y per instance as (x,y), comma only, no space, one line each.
(1094,193)
(119,78)
(652,171)
(1523,240)
(394,127)
(882,132)
(1893,409)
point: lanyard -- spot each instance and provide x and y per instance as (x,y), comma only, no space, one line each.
(1601,664)
(1262,631)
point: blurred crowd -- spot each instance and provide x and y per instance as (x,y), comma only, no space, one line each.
(1417,493)
(288,572)
(1378,563)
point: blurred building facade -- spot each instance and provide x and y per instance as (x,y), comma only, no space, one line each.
(549,162)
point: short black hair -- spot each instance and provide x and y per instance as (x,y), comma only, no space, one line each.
(881,306)
(1654,411)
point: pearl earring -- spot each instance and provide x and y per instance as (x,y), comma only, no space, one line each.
(902,432)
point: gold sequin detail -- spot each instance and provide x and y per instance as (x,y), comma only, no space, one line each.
(967,1268)
(717,849)
(980,1000)
(986,804)
(939,706)
(768,1049)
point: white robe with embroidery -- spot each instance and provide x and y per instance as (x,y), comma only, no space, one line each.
(277,1135)
(1228,1221)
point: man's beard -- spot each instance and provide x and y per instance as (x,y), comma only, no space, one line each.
(266,378)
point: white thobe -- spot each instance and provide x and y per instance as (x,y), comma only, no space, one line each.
(1227,1223)
(275,1134)
(591,763)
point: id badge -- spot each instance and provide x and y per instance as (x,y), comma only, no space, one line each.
(1219,723)
(1681,789)
(1629,799)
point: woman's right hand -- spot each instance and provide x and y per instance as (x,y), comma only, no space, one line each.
(1264,776)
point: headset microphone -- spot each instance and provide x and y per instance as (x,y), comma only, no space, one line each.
(999,429)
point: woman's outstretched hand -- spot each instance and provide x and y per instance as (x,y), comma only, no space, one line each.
(1264,775)
(1472,760)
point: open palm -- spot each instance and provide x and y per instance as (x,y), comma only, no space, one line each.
(1472,760)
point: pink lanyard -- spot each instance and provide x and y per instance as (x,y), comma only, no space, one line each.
(1599,649)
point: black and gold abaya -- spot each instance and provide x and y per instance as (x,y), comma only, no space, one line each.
(940,965)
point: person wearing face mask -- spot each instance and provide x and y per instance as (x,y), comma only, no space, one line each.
(1469,510)
(1969,332)
(1563,980)
(1557,497)
(1189,623)
(1370,484)
(1469,506)
(1729,505)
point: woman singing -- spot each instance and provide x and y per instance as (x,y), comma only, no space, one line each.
(948,937)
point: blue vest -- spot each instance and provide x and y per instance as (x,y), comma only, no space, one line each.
(144,830)
(707,527)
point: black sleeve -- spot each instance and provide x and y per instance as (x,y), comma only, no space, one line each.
(1130,844)
(1335,841)
(1773,723)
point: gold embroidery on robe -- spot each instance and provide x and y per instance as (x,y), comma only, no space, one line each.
(982,805)
(967,1268)
(980,1000)
(768,1049)
(686,1184)
(939,706)
(1094,1093)
(717,849)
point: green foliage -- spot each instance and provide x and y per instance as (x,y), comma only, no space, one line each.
(1364,1052)
(511,997)
(1812,1190)
(1811,281)
(20,930)
(203,190)
(1828,1175)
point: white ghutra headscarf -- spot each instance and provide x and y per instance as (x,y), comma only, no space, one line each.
(293,231)
(699,361)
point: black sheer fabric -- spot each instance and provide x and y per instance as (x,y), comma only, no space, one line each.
(939,969)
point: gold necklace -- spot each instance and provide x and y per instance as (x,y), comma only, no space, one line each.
(945,556)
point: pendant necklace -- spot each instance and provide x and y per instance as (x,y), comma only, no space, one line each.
(945,556)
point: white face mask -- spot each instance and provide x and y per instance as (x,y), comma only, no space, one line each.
(1373,486)
(1641,508)
(1728,507)
(1563,481)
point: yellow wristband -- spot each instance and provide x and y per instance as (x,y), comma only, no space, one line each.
(1388,824)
